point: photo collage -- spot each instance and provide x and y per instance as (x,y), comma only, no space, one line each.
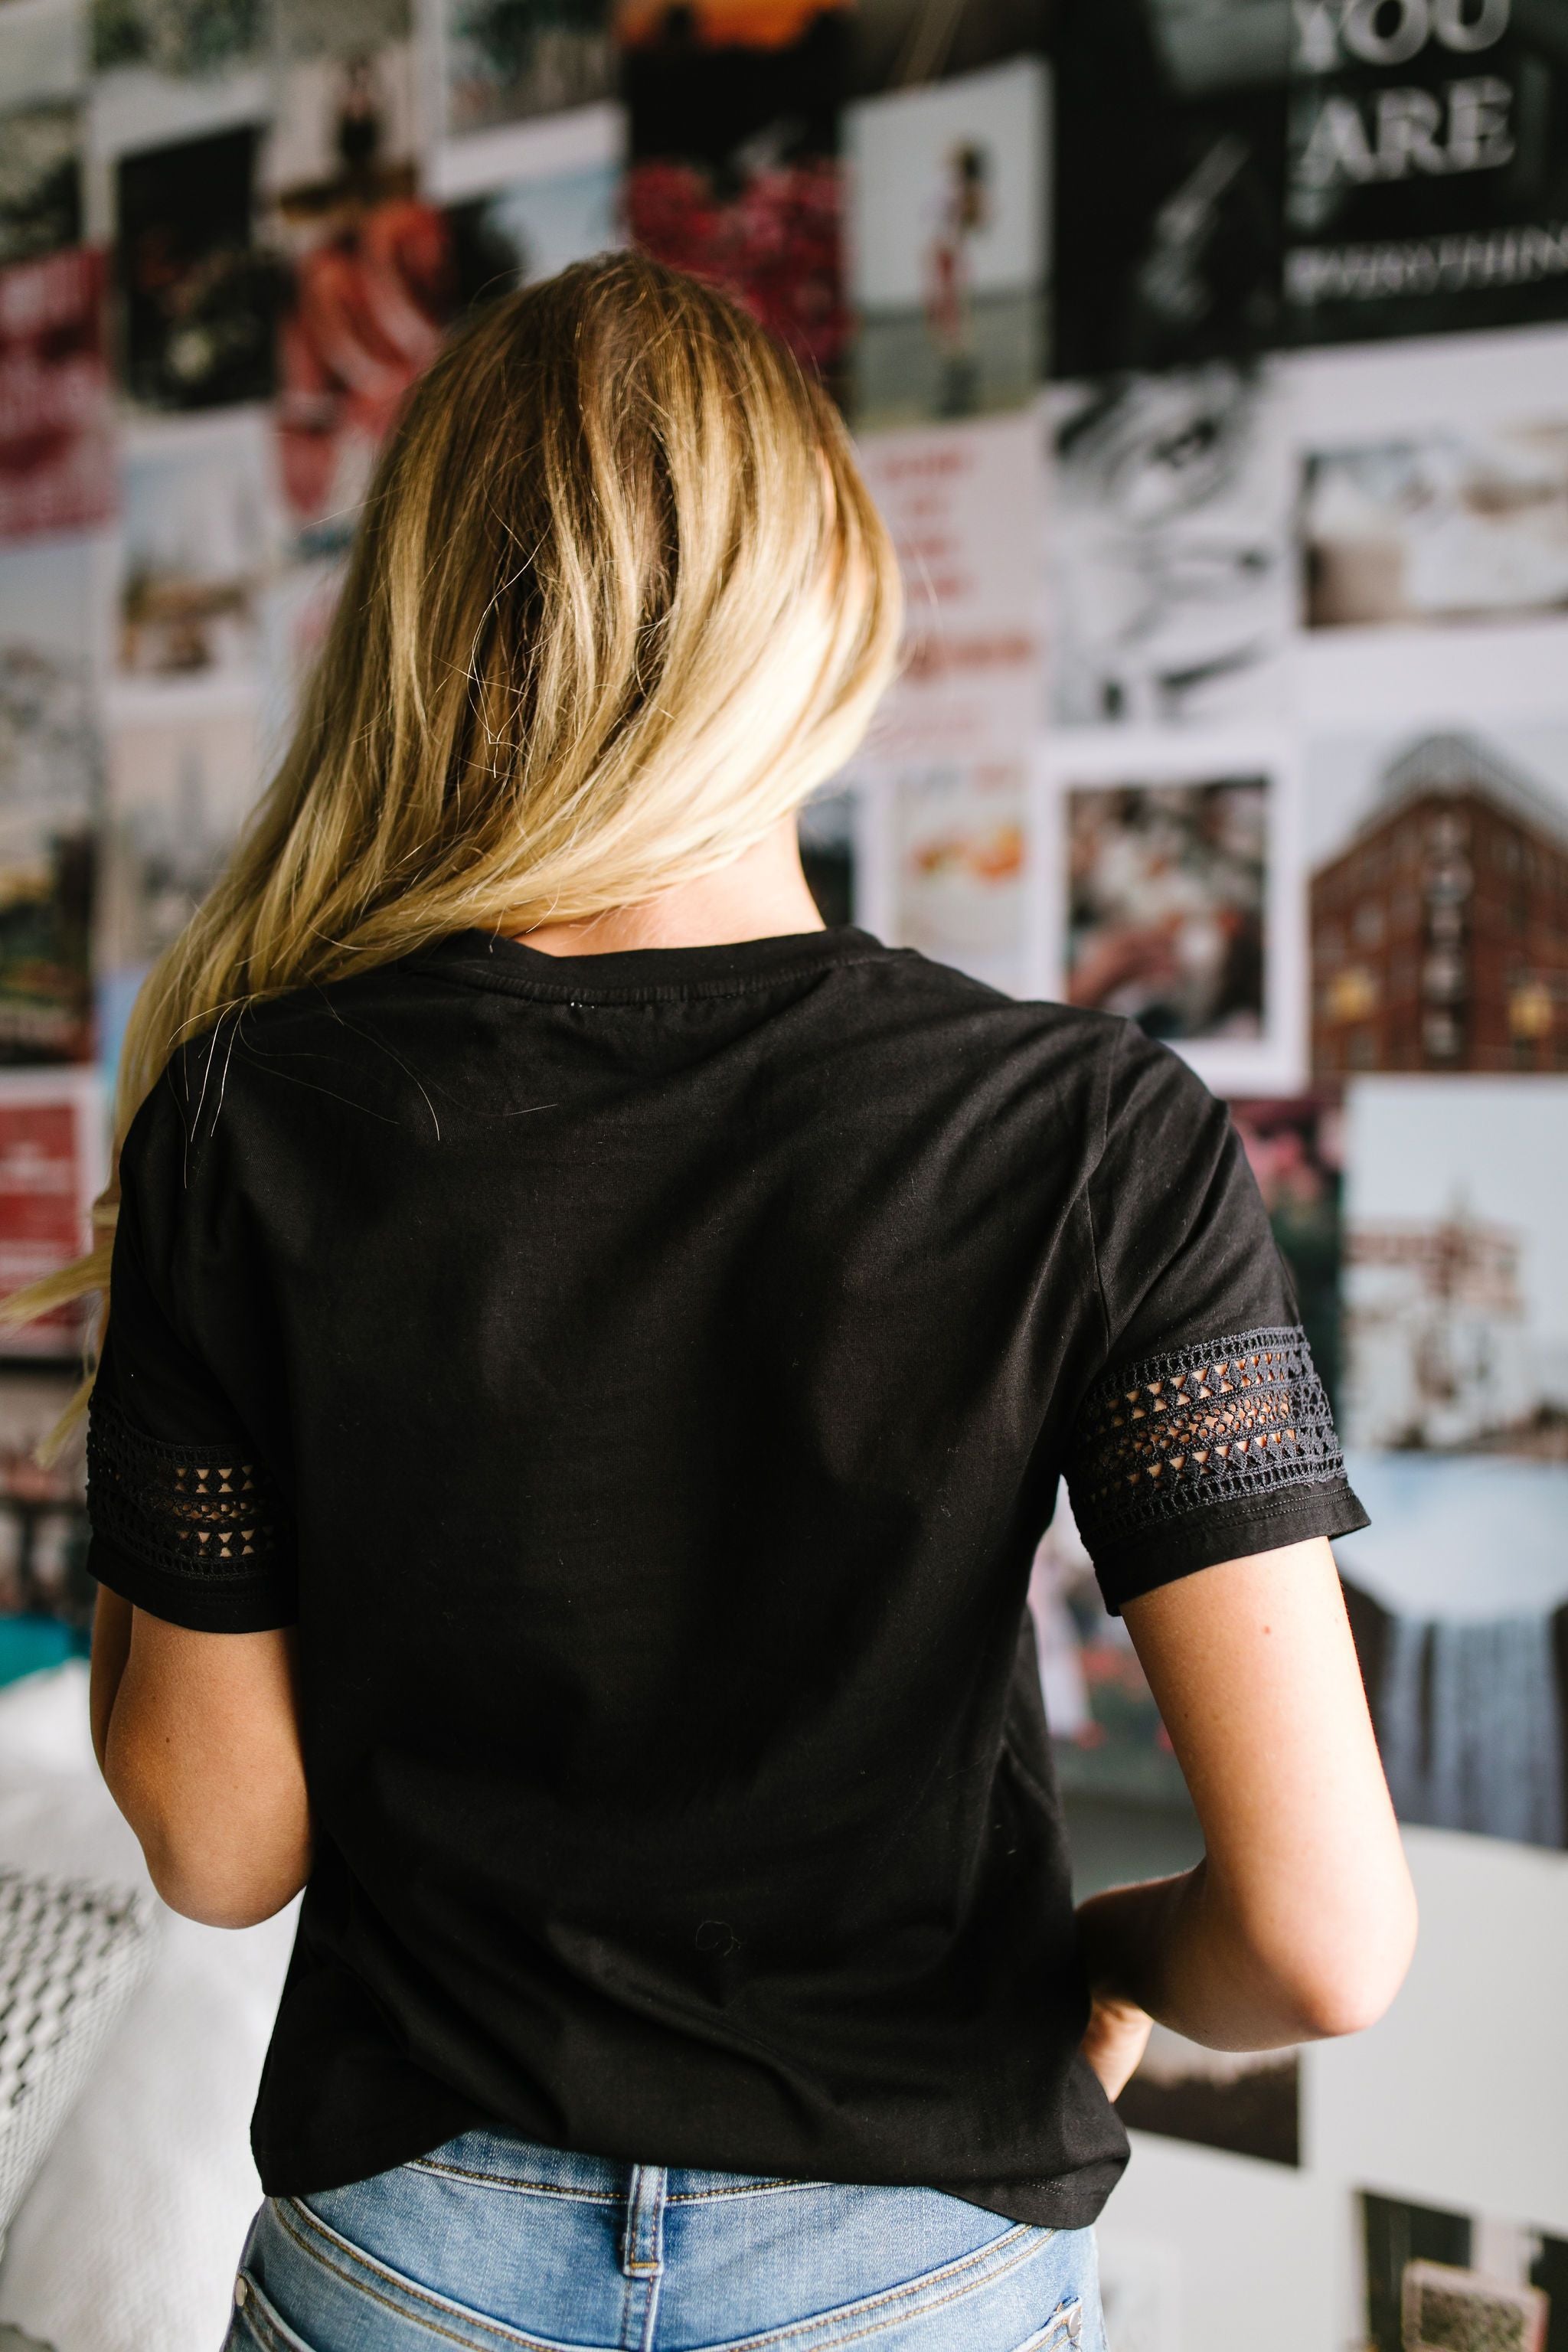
(1209,361)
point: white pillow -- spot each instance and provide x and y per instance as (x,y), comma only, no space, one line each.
(129,2238)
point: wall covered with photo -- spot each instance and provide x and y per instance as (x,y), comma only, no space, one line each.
(1209,360)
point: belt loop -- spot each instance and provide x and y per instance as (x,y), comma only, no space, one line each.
(642,2241)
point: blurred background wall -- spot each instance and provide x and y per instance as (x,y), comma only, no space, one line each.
(1209,359)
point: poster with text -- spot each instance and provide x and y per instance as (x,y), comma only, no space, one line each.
(1437,890)
(1170,538)
(57,423)
(196,294)
(733,115)
(1170,157)
(49,786)
(1427,176)
(949,244)
(52,1164)
(956,498)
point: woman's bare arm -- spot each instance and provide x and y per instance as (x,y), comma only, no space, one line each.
(1301,1920)
(198,1738)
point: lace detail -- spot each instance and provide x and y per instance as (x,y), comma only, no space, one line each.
(1238,1418)
(197,1509)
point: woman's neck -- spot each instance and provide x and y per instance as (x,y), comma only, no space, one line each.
(761,896)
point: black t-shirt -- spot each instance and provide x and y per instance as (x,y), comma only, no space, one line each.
(644,1378)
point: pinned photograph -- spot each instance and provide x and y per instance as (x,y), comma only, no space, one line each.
(948,241)
(367,283)
(1455,1289)
(1438,899)
(1167,889)
(1457,1595)
(43,76)
(1434,2280)
(498,62)
(199,535)
(180,40)
(43,1518)
(1456,522)
(960,838)
(52,1164)
(1139,2287)
(1169,156)
(1171,548)
(40,178)
(49,785)
(530,228)
(57,417)
(903,44)
(829,832)
(302,29)
(1295,1148)
(296,610)
(1107,1736)
(1248,2103)
(179,789)
(197,296)
(733,113)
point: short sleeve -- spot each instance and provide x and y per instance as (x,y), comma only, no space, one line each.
(187,1521)
(1207,1434)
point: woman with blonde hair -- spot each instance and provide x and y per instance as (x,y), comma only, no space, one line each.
(592,1352)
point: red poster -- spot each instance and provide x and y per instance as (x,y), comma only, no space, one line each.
(56,451)
(48,1172)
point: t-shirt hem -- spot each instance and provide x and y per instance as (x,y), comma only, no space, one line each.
(1160,1554)
(209,1603)
(1070,2201)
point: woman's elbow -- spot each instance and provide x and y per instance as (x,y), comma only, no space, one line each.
(220,1897)
(221,1873)
(1343,1984)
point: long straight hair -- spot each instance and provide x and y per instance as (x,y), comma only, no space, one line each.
(618,602)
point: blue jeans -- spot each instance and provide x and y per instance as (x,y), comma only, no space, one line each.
(495,2245)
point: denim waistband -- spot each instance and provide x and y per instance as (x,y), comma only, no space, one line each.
(507,2161)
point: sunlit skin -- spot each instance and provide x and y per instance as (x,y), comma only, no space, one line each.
(1299,1923)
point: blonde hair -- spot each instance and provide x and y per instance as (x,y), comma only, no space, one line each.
(619,601)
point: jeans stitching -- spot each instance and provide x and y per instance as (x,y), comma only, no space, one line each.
(905,2293)
(755,2188)
(510,2180)
(498,2328)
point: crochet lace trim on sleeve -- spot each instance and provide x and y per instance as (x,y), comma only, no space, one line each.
(1237,1419)
(198,1510)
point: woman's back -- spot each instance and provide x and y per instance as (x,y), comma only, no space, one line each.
(574,1428)
(657,1370)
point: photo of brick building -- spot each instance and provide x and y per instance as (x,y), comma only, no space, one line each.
(1439,931)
